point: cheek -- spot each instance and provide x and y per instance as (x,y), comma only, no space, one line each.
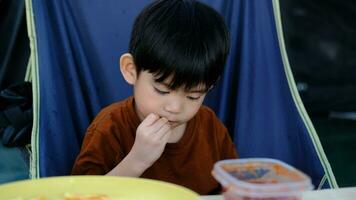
(147,106)
(146,103)
(193,109)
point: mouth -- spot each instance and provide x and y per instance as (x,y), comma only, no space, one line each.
(172,122)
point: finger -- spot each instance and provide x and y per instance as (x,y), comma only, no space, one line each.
(166,136)
(158,124)
(149,120)
(162,131)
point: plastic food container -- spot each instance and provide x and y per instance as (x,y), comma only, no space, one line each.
(260,179)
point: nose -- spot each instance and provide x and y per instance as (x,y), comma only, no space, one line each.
(173,106)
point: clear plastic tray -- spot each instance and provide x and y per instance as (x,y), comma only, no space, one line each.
(260,178)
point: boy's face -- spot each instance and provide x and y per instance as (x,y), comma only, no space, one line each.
(178,106)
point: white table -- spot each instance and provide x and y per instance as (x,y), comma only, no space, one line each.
(328,194)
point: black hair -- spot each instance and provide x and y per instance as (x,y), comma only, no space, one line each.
(185,39)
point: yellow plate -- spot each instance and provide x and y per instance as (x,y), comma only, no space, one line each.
(116,187)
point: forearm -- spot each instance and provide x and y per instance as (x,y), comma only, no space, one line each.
(129,166)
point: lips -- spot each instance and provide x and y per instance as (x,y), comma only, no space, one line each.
(172,123)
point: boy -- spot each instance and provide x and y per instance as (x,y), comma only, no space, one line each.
(177,53)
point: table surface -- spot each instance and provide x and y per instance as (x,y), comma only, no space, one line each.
(329,194)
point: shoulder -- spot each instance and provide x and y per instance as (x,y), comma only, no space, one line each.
(207,114)
(214,133)
(207,118)
(112,108)
(205,110)
(112,115)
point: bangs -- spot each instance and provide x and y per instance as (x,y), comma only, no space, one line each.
(188,68)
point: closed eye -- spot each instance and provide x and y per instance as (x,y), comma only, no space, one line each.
(161,91)
(193,98)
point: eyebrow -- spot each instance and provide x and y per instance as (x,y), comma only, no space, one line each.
(190,91)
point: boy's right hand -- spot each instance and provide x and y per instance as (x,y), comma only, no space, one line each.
(151,138)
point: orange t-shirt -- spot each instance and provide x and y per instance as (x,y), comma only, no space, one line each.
(188,162)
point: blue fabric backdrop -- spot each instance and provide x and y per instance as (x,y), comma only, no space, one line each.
(79,44)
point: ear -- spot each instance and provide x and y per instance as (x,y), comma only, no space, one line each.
(128,68)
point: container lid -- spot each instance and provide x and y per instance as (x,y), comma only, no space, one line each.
(261,177)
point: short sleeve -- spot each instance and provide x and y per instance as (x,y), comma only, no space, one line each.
(228,149)
(99,153)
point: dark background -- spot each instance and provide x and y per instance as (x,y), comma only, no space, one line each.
(320,37)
